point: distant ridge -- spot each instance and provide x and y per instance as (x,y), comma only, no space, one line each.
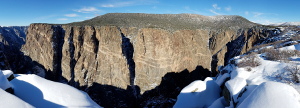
(287,24)
(168,21)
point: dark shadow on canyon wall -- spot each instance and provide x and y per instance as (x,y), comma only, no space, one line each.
(171,85)
(127,51)
(164,95)
(109,96)
(234,48)
(15,60)
(57,41)
(9,55)
(11,58)
(72,60)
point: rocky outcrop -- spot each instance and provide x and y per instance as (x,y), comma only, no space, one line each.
(126,56)
(240,42)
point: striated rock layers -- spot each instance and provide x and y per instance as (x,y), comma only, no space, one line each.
(129,55)
(97,54)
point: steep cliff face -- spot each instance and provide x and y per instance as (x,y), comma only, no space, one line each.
(234,43)
(226,44)
(44,44)
(158,51)
(94,54)
(140,56)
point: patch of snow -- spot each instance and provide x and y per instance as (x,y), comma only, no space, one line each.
(296,86)
(272,95)
(291,47)
(209,79)
(261,73)
(7,73)
(221,79)
(8,100)
(198,94)
(241,73)
(235,86)
(43,93)
(219,103)
(4,84)
(247,91)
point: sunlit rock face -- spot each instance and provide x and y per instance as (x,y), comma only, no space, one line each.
(127,52)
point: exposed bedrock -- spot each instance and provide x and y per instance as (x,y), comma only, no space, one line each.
(131,56)
(139,60)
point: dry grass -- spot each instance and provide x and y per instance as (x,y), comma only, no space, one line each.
(168,21)
(293,72)
(249,60)
(296,38)
(290,74)
(275,54)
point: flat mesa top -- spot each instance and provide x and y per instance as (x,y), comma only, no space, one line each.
(168,21)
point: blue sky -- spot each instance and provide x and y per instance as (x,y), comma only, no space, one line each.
(24,12)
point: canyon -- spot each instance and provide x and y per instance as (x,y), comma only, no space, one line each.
(11,41)
(125,59)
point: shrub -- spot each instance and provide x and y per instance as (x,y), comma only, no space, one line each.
(275,54)
(249,60)
(296,38)
(293,72)
(290,75)
(271,54)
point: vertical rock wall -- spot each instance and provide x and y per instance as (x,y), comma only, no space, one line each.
(43,45)
(120,57)
(94,54)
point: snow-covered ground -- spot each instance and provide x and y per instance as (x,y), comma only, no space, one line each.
(269,83)
(200,93)
(4,84)
(34,91)
(10,101)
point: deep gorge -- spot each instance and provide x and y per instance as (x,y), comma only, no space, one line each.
(122,66)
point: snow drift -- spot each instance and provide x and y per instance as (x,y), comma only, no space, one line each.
(272,95)
(34,91)
(198,94)
(10,101)
(40,92)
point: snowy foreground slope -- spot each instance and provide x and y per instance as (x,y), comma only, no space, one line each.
(33,91)
(267,77)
